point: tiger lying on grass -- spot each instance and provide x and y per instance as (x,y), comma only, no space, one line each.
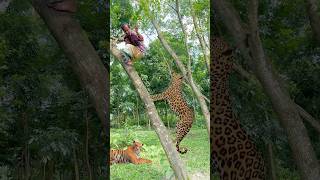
(129,155)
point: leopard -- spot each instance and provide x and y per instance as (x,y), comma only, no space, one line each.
(233,154)
(173,95)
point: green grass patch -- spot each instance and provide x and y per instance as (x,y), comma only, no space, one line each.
(197,159)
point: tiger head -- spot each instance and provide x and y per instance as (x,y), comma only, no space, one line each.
(137,146)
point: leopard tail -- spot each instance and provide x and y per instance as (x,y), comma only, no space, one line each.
(184,150)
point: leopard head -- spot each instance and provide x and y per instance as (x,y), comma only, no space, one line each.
(176,76)
(221,56)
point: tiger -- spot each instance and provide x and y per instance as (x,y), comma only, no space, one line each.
(129,155)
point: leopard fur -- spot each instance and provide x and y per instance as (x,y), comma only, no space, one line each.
(234,154)
(173,95)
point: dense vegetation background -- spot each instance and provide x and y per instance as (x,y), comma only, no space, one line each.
(48,127)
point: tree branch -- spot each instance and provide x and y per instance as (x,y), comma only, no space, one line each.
(185,39)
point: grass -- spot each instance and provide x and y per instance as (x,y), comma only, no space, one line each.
(197,159)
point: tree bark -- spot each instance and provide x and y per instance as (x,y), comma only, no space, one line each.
(85,61)
(312,7)
(137,110)
(303,113)
(44,171)
(50,173)
(173,156)
(188,77)
(25,155)
(289,117)
(87,145)
(272,166)
(306,116)
(76,165)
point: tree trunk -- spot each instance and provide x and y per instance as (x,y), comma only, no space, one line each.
(26,153)
(50,173)
(173,156)
(149,122)
(76,165)
(44,171)
(272,166)
(306,116)
(84,59)
(194,87)
(289,117)
(87,145)
(312,7)
(137,110)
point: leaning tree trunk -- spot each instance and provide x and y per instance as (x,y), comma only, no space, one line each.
(172,154)
(85,61)
(312,7)
(289,117)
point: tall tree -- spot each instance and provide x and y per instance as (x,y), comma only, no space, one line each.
(86,62)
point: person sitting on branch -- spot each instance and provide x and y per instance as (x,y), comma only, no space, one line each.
(134,48)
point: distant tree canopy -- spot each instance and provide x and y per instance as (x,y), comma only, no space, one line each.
(43,109)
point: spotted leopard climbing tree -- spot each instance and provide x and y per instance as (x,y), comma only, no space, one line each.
(234,154)
(173,94)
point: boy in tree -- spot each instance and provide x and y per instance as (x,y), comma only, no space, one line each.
(134,48)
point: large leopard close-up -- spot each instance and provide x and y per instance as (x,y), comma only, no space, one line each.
(234,155)
(173,95)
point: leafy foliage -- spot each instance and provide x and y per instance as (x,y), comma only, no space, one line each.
(43,109)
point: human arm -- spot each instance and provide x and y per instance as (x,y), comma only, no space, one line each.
(140,37)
